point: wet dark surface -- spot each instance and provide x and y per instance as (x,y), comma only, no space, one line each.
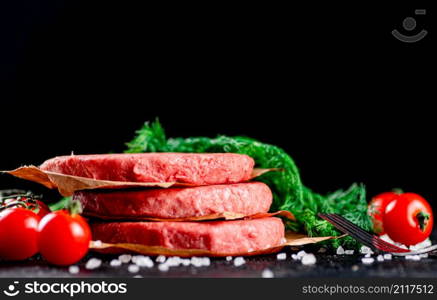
(327,265)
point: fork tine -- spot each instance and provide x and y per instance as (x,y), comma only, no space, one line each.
(352,233)
(376,241)
(361,235)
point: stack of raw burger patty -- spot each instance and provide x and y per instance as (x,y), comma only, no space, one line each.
(218,183)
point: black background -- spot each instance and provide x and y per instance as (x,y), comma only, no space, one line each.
(328,83)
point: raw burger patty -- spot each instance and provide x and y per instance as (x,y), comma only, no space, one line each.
(223,237)
(245,198)
(193,168)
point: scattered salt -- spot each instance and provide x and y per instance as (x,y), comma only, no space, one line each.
(125,258)
(308,259)
(93,263)
(115,263)
(228,258)
(368,260)
(73,269)
(133,268)
(380,258)
(281,256)
(239,261)
(340,250)
(295,257)
(349,252)
(142,261)
(266,273)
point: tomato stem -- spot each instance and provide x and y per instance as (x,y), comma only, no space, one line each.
(422,218)
(74,207)
(397,191)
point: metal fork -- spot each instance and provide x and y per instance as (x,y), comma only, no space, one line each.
(369,239)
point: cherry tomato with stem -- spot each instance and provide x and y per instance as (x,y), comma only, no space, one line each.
(18,233)
(408,219)
(64,236)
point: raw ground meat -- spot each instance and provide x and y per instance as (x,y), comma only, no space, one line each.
(224,237)
(244,198)
(192,168)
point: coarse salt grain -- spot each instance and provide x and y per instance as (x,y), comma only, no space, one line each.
(239,261)
(301,254)
(115,263)
(340,250)
(368,255)
(163,267)
(295,257)
(387,256)
(380,258)
(349,252)
(133,268)
(308,259)
(228,258)
(97,243)
(93,263)
(160,259)
(365,250)
(73,269)
(186,262)
(125,258)
(281,256)
(266,273)
(368,260)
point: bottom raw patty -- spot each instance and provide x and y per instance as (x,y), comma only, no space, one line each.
(220,237)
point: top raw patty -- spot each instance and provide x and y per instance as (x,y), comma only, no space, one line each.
(192,168)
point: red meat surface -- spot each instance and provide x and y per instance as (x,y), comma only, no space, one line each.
(224,237)
(192,168)
(244,198)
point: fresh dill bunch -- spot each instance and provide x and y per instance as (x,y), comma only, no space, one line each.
(288,191)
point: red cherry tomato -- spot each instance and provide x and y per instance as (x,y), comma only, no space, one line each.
(376,210)
(408,219)
(63,238)
(18,233)
(43,209)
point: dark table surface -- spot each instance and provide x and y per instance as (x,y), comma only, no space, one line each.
(327,265)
